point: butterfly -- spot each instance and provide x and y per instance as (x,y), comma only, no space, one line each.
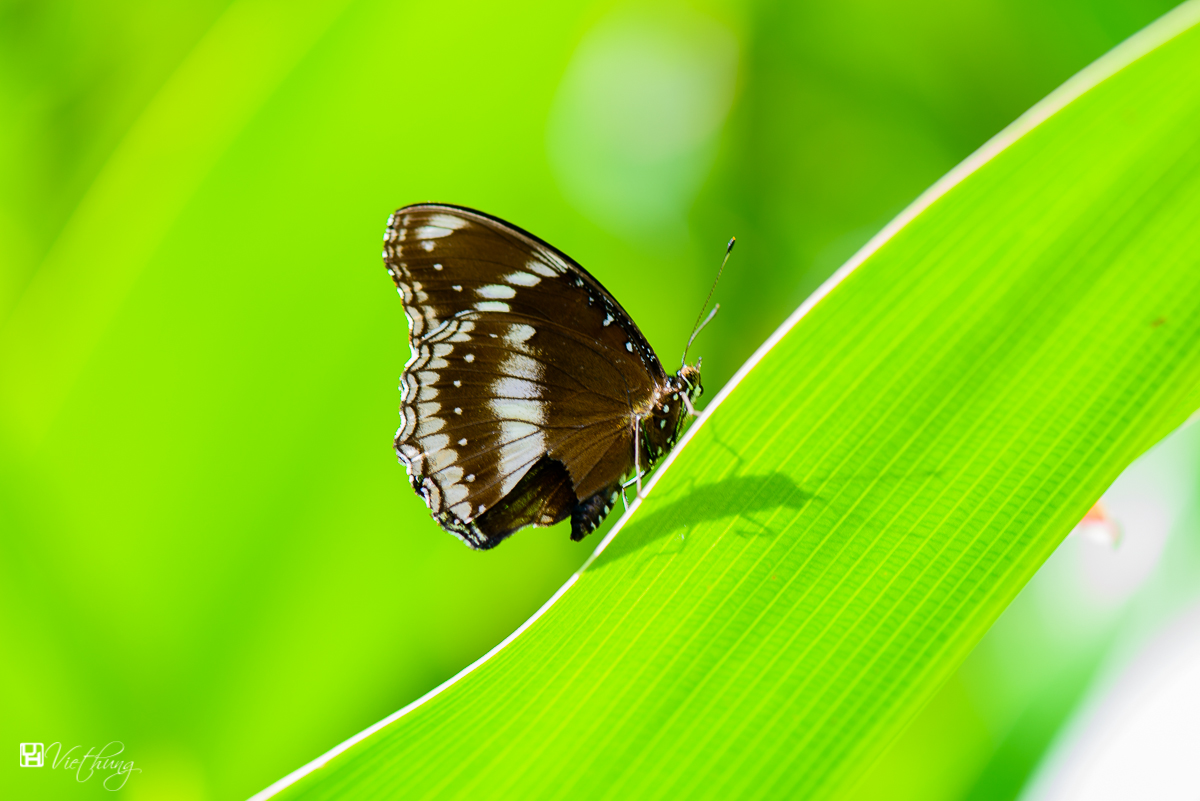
(530,395)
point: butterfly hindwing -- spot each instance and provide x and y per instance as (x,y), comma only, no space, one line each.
(542,497)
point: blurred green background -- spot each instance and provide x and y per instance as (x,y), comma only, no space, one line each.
(209,552)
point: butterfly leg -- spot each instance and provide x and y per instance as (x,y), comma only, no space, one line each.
(625,486)
(624,498)
(688,403)
(637,454)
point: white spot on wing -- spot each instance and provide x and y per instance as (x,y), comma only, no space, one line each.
(519,334)
(608,318)
(429,425)
(492,305)
(509,387)
(439,225)
(435,443)
(525,444)
(470,357)
(496,291)
(453,493)
(526,411)
(541,268)
(427,245)
(442,459)
(522,279)
(521,366)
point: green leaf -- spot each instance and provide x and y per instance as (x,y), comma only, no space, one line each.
(873,489)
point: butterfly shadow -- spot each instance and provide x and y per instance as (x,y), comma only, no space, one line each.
(744,500)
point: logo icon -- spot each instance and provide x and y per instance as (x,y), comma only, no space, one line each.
(33,755)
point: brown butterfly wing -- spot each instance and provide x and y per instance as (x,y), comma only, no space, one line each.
(517,402)
(542,497)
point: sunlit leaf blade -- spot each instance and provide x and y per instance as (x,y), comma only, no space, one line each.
(857,512)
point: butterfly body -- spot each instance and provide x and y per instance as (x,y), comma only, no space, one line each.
(529,388)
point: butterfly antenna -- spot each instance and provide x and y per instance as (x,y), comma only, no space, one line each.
(700,325)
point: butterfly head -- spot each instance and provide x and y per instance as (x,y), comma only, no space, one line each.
(689,381)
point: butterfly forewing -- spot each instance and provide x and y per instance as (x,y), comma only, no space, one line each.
(518,397)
